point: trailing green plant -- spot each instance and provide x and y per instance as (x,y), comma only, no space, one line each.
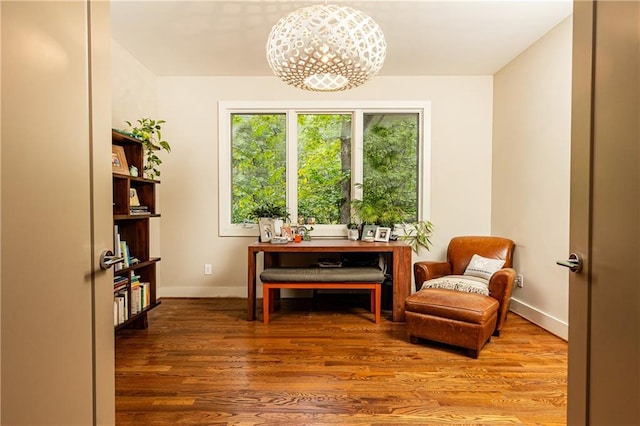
(417,235)
(149,132)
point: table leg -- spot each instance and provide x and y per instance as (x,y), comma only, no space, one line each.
(401,280)
(266,298)
(378,297)
(251,286)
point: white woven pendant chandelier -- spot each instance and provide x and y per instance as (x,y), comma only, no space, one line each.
(326,48)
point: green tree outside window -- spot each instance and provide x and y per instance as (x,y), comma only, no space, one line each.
(324,150)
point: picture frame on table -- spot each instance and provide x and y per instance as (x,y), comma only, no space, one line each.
(287,232)
(382,234)
(369,232)
(265,225)
(119,160)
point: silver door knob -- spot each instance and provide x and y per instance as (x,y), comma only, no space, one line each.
(108,259)
(574,263)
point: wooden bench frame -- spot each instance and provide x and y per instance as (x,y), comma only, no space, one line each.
(269,296)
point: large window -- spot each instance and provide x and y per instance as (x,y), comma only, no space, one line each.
(319,161)
(390,166)
(258,157)
(324,167)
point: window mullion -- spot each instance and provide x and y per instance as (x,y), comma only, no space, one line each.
(292,164)
(357,154)
(424,164)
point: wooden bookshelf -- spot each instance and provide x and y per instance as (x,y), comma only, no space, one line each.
(133,228)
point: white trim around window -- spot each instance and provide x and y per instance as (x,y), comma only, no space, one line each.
(226,109)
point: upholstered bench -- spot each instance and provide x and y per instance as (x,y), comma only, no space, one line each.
(440,315)
(316,278)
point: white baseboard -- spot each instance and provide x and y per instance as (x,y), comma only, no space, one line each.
(549,323)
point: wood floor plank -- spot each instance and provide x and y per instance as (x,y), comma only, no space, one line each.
(201,363)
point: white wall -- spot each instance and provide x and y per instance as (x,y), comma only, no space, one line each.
(135,95)
(531,173)
(461,138)
(135,88)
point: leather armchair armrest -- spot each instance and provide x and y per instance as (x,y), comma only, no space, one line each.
(428,270)
(500,288)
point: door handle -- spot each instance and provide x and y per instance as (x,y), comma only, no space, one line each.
(574,263)
(108,259)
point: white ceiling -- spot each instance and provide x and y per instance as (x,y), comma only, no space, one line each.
(227,38)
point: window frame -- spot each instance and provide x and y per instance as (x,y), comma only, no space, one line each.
(291,109)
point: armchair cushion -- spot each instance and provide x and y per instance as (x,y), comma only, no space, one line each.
(483,267)
(467,284)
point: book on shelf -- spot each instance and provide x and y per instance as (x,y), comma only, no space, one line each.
(136,304)
(124,252)
(116,247)
(121,307)
(119,310)
(145,295)
(139,210)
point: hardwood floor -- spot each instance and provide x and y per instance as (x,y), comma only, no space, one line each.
(201,362)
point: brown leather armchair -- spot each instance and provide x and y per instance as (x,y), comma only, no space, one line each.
(455,317)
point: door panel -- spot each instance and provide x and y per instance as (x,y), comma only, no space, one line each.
(100,119)
(604,314)
(579,292)
(49,233)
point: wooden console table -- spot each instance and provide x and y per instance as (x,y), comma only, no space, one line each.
(400,254)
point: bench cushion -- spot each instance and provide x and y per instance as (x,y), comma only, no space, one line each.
(363,274)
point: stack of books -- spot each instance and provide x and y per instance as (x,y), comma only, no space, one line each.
(119,282)
(139,210)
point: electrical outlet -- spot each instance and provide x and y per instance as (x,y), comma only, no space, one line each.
(208,270)
(519,280)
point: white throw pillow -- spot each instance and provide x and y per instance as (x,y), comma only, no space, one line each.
(482,267)
(468,284)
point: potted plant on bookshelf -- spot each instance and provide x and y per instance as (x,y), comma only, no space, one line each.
(149,132)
